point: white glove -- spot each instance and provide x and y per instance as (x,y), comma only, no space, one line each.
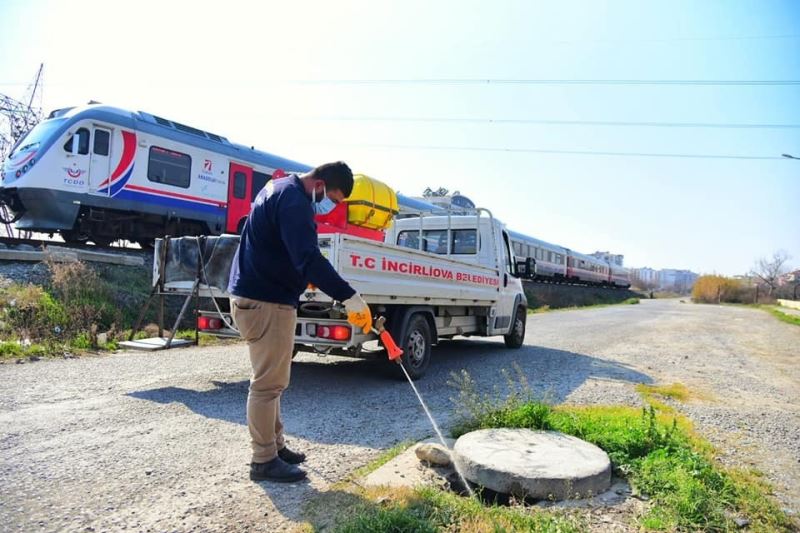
(355,304)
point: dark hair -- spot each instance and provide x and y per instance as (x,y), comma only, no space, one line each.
(337,176)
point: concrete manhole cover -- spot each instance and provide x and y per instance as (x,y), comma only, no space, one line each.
(536,464)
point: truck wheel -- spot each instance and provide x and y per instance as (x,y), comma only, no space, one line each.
(516,336)
(416,345)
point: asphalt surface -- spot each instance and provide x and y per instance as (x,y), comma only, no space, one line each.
(158,442)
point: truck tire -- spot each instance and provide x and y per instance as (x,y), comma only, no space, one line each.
(516,336)
(416,344)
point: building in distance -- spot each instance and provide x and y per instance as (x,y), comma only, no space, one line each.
(608,257)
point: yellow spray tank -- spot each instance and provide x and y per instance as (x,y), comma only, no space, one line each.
(372,204)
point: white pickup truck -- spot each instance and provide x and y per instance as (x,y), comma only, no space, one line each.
(434,277)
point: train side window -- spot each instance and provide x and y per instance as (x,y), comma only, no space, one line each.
(101,141)
(83,142)
(259,181)
(168,167)
(239,184)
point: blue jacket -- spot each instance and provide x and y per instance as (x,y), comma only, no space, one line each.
(278,253)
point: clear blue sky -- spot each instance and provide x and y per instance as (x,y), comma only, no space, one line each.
(224,67)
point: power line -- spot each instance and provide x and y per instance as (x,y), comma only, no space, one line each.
(674,39)
(550,122)
(556,152)
(521,81)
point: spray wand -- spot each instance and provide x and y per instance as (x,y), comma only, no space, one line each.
(392,349)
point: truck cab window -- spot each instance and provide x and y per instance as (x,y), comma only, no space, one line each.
(507,254)
(83,142)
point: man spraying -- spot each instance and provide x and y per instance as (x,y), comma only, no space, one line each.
(278,257)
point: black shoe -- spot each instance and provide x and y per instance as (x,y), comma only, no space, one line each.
(293,458)
(276,470)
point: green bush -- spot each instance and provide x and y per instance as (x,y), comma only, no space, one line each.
(29,311)
(87,299)
(10,349)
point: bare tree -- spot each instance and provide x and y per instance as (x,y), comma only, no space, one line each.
(769,270)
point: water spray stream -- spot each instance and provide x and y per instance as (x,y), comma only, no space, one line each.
(436,428)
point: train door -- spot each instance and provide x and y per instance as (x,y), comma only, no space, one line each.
(100,163)
(240,180)
(77,153)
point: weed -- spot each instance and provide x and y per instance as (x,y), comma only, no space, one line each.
(783,317)
(676,391)
(10,349)
(659,453)
(430,510)
(29,312)
(81,342)
(87,299)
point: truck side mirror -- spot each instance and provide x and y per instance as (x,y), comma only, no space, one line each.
(526,269)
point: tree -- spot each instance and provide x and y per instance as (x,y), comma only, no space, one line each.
(769,270)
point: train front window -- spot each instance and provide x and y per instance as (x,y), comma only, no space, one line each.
(36,136)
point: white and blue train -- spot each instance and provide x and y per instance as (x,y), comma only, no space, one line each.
(98,173)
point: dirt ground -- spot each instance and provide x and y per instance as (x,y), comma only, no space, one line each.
(158,442)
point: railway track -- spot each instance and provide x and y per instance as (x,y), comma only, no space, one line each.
(39,243)
(575,284)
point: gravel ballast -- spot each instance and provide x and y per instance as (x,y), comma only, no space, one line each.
(157,441)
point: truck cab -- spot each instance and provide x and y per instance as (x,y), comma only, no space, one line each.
(477,239)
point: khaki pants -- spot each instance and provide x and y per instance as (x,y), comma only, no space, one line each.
(268,329)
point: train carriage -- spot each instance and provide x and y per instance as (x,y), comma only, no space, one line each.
(100,173)
(558,264)
(550,259)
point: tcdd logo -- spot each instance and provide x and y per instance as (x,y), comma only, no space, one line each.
(207,165)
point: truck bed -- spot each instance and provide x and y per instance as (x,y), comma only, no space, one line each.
(390,274)
(383,273)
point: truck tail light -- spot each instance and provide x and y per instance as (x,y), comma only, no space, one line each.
(337,333)
(207,322)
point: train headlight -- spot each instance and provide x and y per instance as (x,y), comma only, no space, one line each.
(24,169)
(18,173)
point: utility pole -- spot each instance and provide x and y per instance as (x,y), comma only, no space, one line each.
(18,117)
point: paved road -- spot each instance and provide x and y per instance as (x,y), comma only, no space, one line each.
(157,441)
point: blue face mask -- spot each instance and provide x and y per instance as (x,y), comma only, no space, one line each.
(324,206)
